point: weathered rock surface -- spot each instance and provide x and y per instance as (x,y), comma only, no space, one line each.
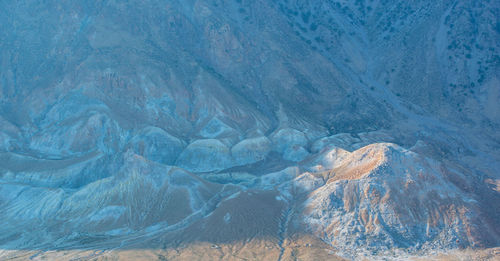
(383,196)
(147,124)
(251,150)
(205,155)
(157,145)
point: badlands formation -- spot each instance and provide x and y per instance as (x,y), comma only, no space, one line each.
(249,130)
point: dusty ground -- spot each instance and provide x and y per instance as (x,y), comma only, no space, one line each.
(251,225)
(304,249)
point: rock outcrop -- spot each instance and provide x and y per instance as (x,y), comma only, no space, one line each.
(365,126)
(383,197)
(205,155)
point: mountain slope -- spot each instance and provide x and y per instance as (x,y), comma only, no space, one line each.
(283,124)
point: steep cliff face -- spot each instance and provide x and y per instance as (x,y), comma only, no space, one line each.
(124,120)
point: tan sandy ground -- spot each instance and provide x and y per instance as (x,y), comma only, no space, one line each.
(298,250)
(254,225)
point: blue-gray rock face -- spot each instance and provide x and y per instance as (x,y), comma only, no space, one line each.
(157,145)
(205,156)
(129,120)
(251,150)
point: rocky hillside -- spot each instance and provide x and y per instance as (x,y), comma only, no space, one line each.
(358,127)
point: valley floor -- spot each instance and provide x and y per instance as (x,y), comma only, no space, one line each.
(305,248)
